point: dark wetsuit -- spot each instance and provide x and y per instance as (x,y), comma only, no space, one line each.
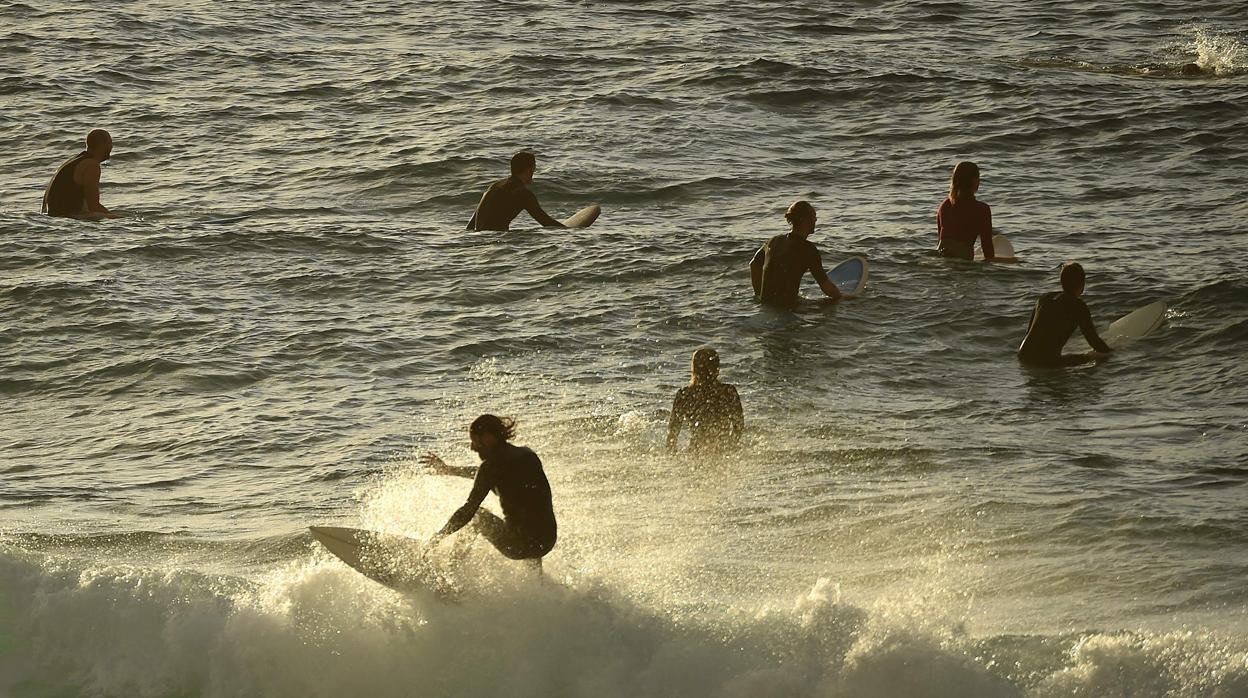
(502,202)
(958,225)
(713,413)
(785,258)
(64,197)
(1054,319)
(515,474)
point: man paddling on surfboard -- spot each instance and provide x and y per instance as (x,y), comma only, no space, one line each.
(1055,318)
(778,267)
(527,530)
(506,198)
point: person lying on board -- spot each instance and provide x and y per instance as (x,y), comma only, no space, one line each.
(961,218)
(527,530)
(1055,318)
(778,267)
(710,408)
(74,191)
(506,198)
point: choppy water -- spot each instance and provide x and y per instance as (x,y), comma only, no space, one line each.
(914,514)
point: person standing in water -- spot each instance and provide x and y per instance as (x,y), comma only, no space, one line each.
(710,408)
(74,191)
(527,530)
(1054,319)
(961,218)
(506,198)
(777,268)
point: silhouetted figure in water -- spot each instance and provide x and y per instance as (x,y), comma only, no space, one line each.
(74,191)
(777,268)
(1055,318)
(710,408)
(961,218)
(506,198)
(527,530)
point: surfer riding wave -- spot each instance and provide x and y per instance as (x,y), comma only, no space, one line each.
(527,530)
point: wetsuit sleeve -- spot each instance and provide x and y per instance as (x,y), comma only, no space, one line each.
(535,209)
(756,269)
(481,486)
(737,415)
(985,235)
(940,224)
(1089,330)
(816,268)
(677,420)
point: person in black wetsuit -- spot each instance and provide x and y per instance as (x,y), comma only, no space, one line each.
(777,268)
(527,530)
(710,408)
(1055,318)
(74,191)
(506,198)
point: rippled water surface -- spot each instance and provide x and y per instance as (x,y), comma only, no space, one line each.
(291,312)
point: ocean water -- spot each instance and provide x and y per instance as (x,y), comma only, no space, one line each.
(912,513)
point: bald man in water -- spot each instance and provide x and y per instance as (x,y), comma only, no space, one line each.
(74,191)
(506,198)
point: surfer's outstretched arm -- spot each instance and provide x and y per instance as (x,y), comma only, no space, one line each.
(542,217)
(439,467)
(1088,330)
(829,289)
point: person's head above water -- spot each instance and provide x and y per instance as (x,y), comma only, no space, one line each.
(523,164)
(99,144)
(964,182)
(488,432)
(1072,278)
(705,366)
(801,217)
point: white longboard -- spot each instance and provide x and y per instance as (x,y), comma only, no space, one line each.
(850,276)
(584,217)
(1002,250)
(395,561)
(1135,324)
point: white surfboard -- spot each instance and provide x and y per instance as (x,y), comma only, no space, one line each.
(850,276)
(1002,250)
(1135,324)
(584,217)
(395,561)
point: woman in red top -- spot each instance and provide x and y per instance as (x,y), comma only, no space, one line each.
(961,218)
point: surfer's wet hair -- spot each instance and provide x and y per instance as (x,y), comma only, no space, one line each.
(1072,277)
(503,428)
(800,210)
(962,181)
(523,161)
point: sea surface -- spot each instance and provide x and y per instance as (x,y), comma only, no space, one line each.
(291,313)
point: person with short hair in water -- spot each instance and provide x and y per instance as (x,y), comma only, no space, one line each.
(777,268)
(74,191)
(1055,318)
(961,218)
(527,530)
(506,198)
(710,408)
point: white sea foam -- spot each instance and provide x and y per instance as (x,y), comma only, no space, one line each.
(316,628)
